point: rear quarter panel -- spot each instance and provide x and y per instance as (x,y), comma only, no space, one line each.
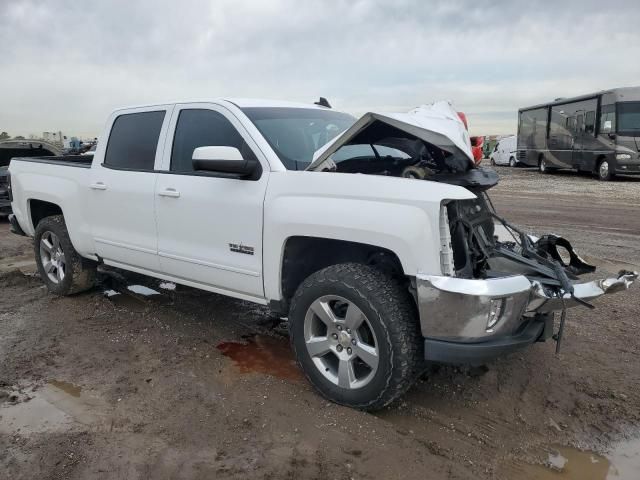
(62,185)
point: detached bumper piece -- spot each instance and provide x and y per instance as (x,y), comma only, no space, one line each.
(542,302)
(471,321)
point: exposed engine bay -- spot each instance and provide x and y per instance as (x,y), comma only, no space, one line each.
(431,143)
(478,251)
(385,150)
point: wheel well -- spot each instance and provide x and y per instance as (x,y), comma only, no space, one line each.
(306,255)
(540,157)
(41,209)
(599,160)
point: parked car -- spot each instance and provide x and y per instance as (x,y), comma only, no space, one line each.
(5,203)
(258,200)
(505,152)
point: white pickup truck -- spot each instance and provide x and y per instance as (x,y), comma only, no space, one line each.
(375,237)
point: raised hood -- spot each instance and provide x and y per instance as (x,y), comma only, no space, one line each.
(437,124)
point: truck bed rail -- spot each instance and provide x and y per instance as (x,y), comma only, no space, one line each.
(81,161)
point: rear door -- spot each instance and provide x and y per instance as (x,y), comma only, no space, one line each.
(122,188)
(210,226)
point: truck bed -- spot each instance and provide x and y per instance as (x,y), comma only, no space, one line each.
(81,161)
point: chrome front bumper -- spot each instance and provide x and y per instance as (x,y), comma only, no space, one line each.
(472,311)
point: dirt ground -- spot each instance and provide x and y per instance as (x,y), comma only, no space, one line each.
(188,384)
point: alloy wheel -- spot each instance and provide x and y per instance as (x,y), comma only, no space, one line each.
(52,257)
(341,342)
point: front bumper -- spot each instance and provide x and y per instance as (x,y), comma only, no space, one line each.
(495,316)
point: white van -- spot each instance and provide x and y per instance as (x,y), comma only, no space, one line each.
(505,152)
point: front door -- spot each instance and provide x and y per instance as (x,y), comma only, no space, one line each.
(210,226)
(122,188)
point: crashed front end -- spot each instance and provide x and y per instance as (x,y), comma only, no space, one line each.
(499,287)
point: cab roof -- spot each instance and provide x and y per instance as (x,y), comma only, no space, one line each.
(239,102)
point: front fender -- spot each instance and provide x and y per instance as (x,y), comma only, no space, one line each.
(400,215)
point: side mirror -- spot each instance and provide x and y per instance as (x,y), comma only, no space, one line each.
(223,160)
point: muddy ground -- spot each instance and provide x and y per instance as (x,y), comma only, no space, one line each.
(188,384)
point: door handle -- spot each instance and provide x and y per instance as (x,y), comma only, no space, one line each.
(98,186)
(169,192)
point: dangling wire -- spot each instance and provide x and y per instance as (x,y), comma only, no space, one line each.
(563,317)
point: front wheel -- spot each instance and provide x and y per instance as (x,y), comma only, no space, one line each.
(355,335)
(63,271)
(604,171)
(512,162)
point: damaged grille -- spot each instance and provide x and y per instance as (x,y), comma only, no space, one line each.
(479,253)
(472,235)
(446,252)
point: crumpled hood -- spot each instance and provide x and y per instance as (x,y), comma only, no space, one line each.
(437,123)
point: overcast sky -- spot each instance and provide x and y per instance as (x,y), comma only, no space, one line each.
(65,64)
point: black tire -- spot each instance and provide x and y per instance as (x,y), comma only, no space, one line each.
(493,162)
(605,173)
(543,166)
(391,313)
(513,162)
(79,273)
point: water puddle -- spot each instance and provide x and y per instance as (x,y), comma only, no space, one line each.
(263,354)
(70,388)
(125,300)
(621,463)
(55,407)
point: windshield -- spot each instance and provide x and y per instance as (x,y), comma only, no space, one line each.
(296,133)
(629,118)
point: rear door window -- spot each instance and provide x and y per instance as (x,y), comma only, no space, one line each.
(133,140)
(203,128)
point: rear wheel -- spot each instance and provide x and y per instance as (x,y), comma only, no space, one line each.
(63,271)
(604,171)
(355,335)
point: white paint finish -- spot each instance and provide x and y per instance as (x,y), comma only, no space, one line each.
(504,150)
(195,230)
(125,206)
(65,187)
(189,283)
(217,153)
(399,214)
(184,237)
(126,229)
(437,123)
